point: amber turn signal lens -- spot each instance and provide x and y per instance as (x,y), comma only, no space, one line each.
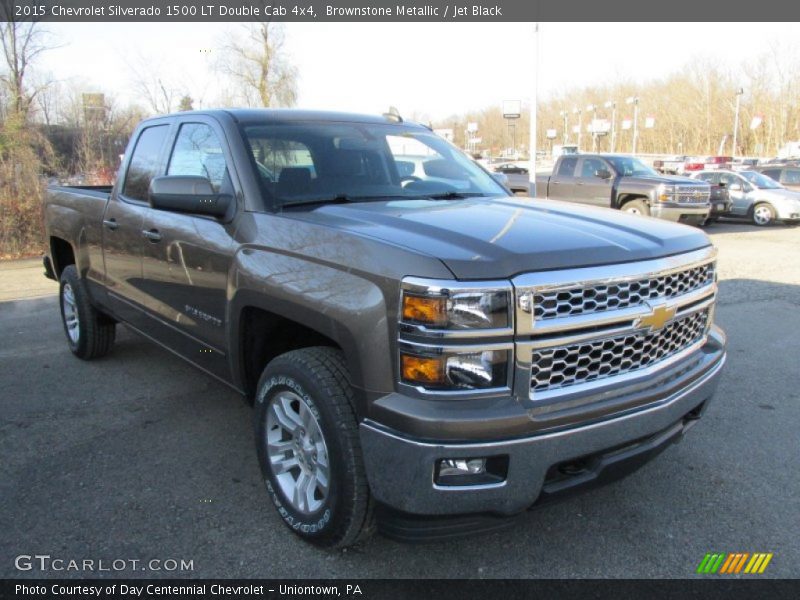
(420,369)
(424,309)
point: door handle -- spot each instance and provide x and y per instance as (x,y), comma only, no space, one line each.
(578,183)
(111,224)
(152,234)
(555,182)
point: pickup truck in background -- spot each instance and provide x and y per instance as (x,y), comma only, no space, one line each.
(670,166)
(418,344)
(627,184)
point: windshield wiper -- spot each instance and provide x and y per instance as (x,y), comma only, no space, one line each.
(453,195)
(337,199)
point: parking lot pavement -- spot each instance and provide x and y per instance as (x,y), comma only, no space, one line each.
(140,456)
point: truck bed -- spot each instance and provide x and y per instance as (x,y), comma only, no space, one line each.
(98,191)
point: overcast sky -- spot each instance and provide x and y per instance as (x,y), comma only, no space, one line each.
(434,69)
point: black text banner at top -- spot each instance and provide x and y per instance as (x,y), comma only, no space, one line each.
(499,11)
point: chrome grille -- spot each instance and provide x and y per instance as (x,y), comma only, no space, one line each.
(562,366)
(555,303)
(692,194)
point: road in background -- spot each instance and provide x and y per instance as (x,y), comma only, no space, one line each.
(141,456)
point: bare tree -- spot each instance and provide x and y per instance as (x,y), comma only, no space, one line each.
(22,44)
(255,59)
(159,91)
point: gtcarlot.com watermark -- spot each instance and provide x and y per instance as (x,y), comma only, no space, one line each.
(45,563)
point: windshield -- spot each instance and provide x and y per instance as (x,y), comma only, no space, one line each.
(630,167)
(760,181)
(301,163)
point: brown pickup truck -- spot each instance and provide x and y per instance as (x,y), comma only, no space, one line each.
(627,184)
(419,344)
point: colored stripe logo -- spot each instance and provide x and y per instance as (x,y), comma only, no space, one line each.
(731,563)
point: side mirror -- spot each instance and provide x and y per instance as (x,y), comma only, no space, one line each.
(603,173)
(735,187)
(187,194)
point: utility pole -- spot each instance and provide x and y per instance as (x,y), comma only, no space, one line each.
(739,93)
(579,112)
(534,100)
(635,101)
(593,109)
(613,106)
(565,116)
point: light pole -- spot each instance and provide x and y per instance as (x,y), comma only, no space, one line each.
(612,104)
(739,93)
(593,109)
(534,101)
(578,111)
(635,101)
(565,115)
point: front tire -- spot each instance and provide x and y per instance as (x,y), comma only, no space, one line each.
(636,207)
(90,333)
(763,214)
(309,448)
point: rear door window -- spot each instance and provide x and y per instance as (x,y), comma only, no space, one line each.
(144,163)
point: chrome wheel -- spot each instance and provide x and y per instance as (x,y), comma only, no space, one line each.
(762,215)
(71,320)
(298,456)
(633,210)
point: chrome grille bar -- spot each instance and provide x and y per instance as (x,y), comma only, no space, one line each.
(622,323)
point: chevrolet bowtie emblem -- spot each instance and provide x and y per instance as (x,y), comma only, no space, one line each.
(657,318)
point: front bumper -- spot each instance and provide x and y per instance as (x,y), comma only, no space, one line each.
(671,211)
(787,211)
(400,468)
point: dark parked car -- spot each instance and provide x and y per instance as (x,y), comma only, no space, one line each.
(516,178)
(417,342)
(508,168)
(787,176)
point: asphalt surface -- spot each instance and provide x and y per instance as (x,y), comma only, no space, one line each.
(139,456)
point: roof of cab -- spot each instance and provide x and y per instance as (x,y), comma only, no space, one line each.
(256,115)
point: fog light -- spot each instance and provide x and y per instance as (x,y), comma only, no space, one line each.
(460,466)
(491,470)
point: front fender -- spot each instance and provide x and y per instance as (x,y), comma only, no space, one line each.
(341,305)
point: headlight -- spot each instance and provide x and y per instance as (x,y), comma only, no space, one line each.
(436,368)
(441,325)
(450,306)
(667,193)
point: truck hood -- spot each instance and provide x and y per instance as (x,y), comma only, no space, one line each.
(493,238)
(666,179)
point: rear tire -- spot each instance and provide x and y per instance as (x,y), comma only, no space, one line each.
(90,333)
(763,214)
(309,448)
(636,207)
